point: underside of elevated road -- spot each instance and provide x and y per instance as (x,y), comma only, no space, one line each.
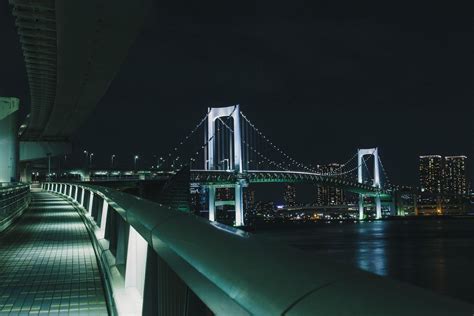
(72,51)
(48,264)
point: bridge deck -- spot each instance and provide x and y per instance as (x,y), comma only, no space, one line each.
(47,263)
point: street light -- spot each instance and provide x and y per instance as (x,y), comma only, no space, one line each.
(90,159)
(112,161)
(135,161)
(223,160)
(49,166)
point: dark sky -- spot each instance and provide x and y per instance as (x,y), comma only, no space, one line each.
(322,78)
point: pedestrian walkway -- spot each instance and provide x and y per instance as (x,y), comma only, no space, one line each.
(47,263)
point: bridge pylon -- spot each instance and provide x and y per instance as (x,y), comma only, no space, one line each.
(235,158)
(360,178)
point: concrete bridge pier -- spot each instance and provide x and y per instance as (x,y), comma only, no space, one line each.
(378,207)
(239,204)
(212,203)
(361,206)
(9,139)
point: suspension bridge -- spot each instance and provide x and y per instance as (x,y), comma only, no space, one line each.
(235,153)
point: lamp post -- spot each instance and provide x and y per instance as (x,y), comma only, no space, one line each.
(86,157)
(223,164)
(90,159)
(112,161)
(49,166)
(135,161)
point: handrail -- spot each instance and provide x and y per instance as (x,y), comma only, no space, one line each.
(236,273)
(14,199)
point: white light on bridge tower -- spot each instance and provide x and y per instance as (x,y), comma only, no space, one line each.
(214,114)
(360,156)
(210,161)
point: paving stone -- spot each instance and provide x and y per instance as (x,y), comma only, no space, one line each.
(48,264)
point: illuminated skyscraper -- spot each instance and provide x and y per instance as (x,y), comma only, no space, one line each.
(224,194)
(249,198)
(454,175)
(430,173)
(329,195)
(290,195)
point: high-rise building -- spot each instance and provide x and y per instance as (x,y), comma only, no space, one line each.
(431,173)
(198,197)
(329,195)
(290,195)
(454,175)
(224,194)
(249,198)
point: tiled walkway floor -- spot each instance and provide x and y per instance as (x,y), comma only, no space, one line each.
(47,263)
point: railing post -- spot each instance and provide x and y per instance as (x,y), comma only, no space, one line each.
(83,192)
(91,201)
(76,193)
(103,220)
(136,263)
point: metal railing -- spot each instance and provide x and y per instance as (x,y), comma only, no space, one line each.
(14,199)
(159,261)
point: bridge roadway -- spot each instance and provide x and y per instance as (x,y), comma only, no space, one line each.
(224,178)
(47,263)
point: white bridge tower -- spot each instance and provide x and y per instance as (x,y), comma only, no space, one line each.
(235,164)
(360,156)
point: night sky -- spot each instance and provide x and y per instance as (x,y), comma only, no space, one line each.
(321,78)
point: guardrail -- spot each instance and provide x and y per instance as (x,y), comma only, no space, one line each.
(159,261)
(14,199)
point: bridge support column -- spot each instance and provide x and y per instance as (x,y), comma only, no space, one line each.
(212,203)
(9,139)
(378,208)
(239,204)
(394,207)
(361,206)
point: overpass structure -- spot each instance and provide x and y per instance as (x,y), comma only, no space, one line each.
(72,51)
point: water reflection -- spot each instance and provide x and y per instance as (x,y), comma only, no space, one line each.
(370,247)
(435,254)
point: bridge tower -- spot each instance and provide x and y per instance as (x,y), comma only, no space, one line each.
(235,162)
(360,156)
